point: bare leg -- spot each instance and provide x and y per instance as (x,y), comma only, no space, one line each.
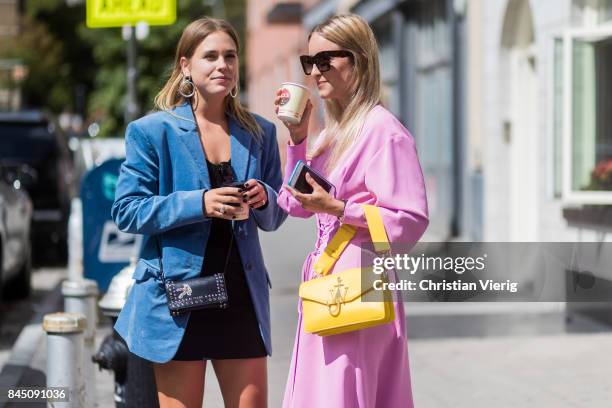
(180,384)
(243,382)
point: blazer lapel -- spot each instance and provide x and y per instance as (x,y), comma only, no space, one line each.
(240,141)
(240,144)
(191,138)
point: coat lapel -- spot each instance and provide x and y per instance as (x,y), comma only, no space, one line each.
(240,144)
(191,138)
(240,147)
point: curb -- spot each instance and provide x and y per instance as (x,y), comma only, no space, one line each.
(28,342)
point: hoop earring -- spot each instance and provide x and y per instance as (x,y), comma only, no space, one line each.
(186,81)
(235,92)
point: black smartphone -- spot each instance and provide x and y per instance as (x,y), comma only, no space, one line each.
(237,184)
(298,179)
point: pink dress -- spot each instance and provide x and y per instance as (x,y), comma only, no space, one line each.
(366,368)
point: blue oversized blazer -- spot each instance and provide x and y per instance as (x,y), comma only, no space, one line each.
(159,194)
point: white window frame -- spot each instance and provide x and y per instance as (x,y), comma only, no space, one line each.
(571,196)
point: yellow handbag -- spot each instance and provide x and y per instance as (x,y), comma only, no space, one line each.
(331,304)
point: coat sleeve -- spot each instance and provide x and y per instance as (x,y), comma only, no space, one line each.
(286,201)
(394,183)
(138,206)
(271,216)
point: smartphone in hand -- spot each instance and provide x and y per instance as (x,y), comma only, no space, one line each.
(236,184)
(298,179)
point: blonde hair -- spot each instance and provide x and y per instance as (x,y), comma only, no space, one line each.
(351,32)
(192,36)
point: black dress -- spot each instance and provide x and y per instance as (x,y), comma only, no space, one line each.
(213,334)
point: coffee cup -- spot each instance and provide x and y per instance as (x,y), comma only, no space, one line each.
(244,207)
(293,100)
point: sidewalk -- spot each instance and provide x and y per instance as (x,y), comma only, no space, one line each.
(515,372)
(461,356)
(570,370)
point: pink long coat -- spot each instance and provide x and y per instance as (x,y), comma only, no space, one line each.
(366,368)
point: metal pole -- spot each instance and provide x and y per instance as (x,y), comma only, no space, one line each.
(75,241)
(132,108)
(64,353)
(80,298)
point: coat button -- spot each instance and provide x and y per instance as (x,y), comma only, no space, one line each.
(248,266)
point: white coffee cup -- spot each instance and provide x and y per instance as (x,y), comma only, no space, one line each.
(293,100)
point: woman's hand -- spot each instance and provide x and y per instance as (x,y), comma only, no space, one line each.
(219,203)
(297,133)
(255,194)
(319,200)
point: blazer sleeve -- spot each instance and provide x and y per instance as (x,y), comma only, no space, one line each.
(138,206)
(394,183)
(270,216)
(286,201)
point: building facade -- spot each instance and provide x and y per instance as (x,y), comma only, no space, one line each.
(275,40)
(12,71)
(508,101)
(546,86)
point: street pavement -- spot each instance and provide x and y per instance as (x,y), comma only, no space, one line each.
(462,355)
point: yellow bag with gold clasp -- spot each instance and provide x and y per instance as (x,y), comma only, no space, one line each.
(331,304)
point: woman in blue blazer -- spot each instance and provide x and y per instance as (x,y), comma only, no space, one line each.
(171,190)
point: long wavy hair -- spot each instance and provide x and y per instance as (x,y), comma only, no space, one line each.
(192,36)
(343,126)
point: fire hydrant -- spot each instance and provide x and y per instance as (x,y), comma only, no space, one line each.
(134,378)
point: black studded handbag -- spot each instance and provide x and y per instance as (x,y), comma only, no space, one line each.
(208,292)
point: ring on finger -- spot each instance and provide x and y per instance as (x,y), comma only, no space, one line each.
(222,209)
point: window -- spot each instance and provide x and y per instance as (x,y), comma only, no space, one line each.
(586,118)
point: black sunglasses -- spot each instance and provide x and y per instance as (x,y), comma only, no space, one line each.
(322,60)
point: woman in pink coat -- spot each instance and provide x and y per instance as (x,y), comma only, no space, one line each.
(371,159)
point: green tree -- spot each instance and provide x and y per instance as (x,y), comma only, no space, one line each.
(58,62)
(69,62)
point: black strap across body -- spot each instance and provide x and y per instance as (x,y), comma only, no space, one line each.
(207,292)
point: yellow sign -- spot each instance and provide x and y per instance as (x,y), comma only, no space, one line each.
(117,13)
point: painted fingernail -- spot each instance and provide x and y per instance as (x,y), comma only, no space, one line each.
(233,217)
(244,200)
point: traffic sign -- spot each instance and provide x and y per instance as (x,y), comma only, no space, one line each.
(117,13)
